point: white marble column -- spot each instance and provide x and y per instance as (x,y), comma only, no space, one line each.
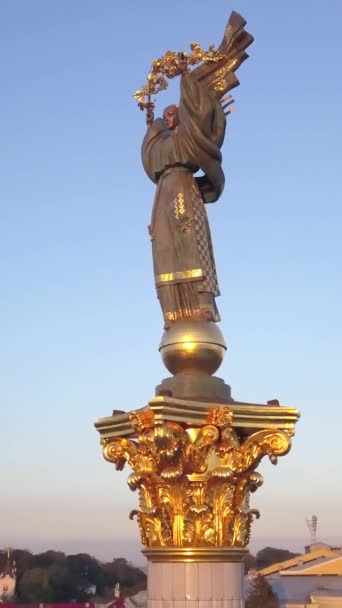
(195,578)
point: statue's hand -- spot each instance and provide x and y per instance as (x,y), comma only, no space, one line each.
(182,63)
(149,117)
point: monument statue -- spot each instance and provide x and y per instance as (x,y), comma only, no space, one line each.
(193,450)
(187,139)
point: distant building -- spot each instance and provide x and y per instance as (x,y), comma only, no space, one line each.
(312,580)
(7,580)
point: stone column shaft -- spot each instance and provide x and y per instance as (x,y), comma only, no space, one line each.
(195,585)
(204,580)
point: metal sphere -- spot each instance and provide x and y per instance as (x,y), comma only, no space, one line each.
(192,346)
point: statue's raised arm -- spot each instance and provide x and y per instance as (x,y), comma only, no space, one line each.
(186,140)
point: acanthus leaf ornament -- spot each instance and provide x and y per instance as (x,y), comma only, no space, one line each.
(194,483)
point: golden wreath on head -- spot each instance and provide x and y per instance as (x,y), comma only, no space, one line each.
(167,67)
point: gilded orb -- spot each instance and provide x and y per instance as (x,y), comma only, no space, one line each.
(192,346)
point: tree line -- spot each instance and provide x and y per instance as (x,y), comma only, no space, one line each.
(54,577)
(267,557)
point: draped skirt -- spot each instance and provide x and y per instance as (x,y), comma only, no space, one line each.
(183,259)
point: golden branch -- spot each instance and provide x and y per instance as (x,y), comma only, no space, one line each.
(167,66)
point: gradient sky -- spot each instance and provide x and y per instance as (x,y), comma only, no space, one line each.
(79,321)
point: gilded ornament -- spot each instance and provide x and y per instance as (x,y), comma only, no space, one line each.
(183,502)
(221,416)
(168,67)
(194,273)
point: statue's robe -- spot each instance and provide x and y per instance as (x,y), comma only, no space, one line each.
(184,266)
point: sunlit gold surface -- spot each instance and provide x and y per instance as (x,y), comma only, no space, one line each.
(195,273)
(217,66)
(200,313)
(192,346)
(194,482)
(167,67)
(194,554)
(220,83)
(247,416)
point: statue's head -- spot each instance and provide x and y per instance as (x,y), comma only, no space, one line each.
(171,116)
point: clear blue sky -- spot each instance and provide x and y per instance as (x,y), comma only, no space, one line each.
(79,321)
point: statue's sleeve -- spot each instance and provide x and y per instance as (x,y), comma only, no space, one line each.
(149,147)
(201,133)
(198,106)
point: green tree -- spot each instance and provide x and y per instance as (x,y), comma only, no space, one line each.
(34,586)
(52,576)
(271,555)
(23,560)
(261,594)
(131,579)
(249,562)
(86,568)
(48,558)
(61,583)
(86,572)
